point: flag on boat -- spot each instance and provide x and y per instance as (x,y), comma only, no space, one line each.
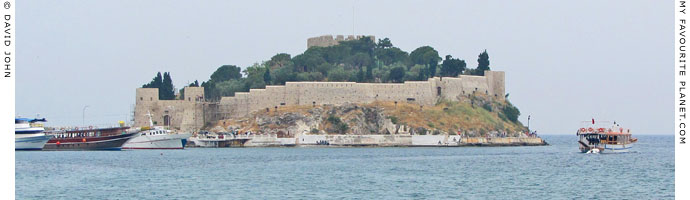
(592,120)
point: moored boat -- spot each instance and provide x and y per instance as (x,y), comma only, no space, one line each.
(91,138)
(157,138)
(29,134)
(598,138)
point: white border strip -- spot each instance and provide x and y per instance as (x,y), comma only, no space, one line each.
(7,82)
(680,100)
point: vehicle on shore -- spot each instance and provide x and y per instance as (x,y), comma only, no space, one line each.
(29,134)
(604,138)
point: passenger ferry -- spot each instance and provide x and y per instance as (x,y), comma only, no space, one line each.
(602,138)
(91,138)
(29,134)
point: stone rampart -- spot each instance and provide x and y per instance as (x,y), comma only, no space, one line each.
(193,112)
(329,40)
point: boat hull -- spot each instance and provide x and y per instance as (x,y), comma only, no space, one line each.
(113,142)
(31,142)
(607,148)
(168,141)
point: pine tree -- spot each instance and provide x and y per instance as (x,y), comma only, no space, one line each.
(483,63)
(267,76)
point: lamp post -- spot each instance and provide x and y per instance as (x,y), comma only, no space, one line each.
(83,112)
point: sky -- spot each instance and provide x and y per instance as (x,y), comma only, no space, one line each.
(565,61)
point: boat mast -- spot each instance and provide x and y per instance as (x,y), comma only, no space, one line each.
(150,118)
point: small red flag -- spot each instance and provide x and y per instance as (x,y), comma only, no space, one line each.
(592,120)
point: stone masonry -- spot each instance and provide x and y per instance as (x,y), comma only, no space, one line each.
(328,40)
(192,113)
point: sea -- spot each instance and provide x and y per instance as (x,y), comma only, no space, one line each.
(557,171)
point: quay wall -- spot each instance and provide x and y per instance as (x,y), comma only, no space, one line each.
(392,140)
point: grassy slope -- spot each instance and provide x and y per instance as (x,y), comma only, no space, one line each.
(445,116)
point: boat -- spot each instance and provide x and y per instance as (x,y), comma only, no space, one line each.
(216,140)
(91,138)
(604,138)
(157,138)
(29,134)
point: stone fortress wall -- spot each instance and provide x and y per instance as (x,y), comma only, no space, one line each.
(329,40)
(193,112)
(186,115)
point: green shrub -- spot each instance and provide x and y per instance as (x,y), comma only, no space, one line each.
(393,119)
(511,112)
(487,106)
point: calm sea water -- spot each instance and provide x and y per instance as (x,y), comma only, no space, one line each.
(558,171)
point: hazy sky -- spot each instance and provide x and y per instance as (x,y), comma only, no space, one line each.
(565,61)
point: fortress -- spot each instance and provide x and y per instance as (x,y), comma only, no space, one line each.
(193,112)
(328,40)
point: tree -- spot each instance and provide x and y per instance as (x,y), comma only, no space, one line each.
(424,56)
(361,76)
(338,74)
(166,90)
(397,74)
(308,62)
(226,72)
(385,43)
(279,60)
(482,63)
(391,55)
(370,73)
(452,67)
(511,112)
(155,83)
(282,75)
(359,60)
(432,68)
(267,76)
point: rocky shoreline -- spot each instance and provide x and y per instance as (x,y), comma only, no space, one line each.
(384,141)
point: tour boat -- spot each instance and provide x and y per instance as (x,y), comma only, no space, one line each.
(91,138)
(157,138)
(218,140)
(29,134)
(605,139)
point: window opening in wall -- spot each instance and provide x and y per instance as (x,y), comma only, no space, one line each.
(438,91)
(151,98)
(141,98)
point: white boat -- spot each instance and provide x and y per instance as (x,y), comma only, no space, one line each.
(219,140)
(157,137)
(596,138)
(29,134)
